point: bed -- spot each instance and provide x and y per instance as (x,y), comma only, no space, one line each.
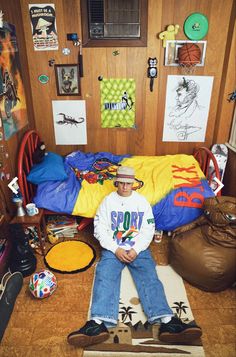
(175,185)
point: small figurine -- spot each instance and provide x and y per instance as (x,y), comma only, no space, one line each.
(39,153)
(169,34)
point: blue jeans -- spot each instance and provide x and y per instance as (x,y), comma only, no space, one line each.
(106,289)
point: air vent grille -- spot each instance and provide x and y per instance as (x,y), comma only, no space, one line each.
(96,11)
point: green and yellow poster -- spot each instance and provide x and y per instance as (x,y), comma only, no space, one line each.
(117,103)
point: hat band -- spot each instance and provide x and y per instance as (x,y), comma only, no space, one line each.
(125,176)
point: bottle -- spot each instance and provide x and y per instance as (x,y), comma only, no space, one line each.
(18,200)
(158,236)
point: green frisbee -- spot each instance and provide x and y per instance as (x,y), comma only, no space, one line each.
(196,26)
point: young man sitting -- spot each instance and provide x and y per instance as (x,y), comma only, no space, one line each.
(126,211)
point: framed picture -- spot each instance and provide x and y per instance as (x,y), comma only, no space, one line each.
(67,79)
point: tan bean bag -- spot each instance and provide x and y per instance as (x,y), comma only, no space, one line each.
(204,251)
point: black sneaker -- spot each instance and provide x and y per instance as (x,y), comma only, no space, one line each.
(90,334)
(176,331)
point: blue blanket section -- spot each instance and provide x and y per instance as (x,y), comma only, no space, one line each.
(84,161)
(169,215)
(60,196)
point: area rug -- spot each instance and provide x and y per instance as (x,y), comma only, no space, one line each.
(70,257)
(134,335)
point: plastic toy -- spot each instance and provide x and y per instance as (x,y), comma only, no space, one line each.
(169,34)
(39,153)
(196,26)
(42,284)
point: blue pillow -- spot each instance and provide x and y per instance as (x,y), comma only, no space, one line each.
(50,169)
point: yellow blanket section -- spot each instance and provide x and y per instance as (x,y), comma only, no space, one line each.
(160,174)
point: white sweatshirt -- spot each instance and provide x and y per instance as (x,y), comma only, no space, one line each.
(125,222)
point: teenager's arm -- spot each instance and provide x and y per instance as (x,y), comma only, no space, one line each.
(102,229)
(146,232)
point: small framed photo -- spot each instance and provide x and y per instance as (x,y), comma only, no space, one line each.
(67,79)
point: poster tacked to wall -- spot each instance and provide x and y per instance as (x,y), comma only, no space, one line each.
(117,103)
(43,25)
(187,108)
(69,119)
(12,94)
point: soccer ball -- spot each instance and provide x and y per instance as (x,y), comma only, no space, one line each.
(42,284)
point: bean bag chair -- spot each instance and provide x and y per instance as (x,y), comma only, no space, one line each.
(204,251)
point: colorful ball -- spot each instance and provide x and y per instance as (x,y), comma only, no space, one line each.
(189,53)
(42,284)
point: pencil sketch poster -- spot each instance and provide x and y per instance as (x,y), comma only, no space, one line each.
(187,108)
(69,119)
(12,93)
(43,25)
(117,103)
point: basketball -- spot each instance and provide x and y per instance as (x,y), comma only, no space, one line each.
(189,54)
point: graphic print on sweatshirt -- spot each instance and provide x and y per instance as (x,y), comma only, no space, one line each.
(126,226)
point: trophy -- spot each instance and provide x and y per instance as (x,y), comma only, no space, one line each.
(17,197)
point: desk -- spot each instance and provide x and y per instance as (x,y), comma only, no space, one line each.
(38,221)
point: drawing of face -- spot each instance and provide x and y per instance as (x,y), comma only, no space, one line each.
(181,97)
(186,93)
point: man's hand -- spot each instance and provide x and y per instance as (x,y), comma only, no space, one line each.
(132,254)
(122,255)
(125,256)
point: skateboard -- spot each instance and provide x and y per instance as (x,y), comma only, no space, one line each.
(10,287)
(220,151)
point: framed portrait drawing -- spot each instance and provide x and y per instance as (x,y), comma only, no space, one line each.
(67,79)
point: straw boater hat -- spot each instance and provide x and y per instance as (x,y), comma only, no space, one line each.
(125,174)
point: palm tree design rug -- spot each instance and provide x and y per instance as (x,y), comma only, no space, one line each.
(134,335)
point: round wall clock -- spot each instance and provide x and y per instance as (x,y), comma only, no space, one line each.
(196,26)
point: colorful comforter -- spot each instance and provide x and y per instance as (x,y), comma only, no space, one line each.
(173,184)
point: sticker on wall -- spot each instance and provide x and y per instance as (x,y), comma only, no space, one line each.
(12,93)
(43,25)
(187,107)
(69,119)
(43,78)
(117,103)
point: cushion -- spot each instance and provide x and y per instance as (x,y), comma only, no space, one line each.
(50,169)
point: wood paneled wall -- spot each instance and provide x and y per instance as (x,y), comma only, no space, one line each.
(132,63)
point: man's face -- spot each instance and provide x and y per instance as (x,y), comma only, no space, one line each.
(182,94)
(124,188)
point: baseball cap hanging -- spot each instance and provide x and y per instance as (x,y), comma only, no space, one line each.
(125,174)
